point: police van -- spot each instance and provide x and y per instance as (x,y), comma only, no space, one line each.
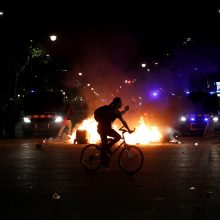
(199,113)
(42,113)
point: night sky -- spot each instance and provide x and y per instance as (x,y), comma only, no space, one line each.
(156,25)
(113,38)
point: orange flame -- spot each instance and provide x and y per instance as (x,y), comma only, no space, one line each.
(143,134)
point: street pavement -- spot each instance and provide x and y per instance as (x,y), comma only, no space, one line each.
(177,181)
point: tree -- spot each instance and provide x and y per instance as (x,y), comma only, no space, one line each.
(33,52)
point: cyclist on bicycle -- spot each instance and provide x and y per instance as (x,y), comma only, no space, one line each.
(105,128)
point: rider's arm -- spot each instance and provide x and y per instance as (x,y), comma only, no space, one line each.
(125,110)
(125,124)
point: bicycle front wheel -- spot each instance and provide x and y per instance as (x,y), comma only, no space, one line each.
(131,159)
(90,157)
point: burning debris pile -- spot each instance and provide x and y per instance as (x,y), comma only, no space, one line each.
(86,132)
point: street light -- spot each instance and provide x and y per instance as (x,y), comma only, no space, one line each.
(53,37)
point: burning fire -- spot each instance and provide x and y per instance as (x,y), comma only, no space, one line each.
(143,134)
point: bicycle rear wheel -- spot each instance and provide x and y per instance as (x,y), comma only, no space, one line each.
(131,159)
(90,157)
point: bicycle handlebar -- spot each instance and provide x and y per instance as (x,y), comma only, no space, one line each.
(125,130)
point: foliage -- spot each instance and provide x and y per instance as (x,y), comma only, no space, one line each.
(38,53)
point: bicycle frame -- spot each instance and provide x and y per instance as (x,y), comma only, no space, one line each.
(122,143)
(130,157)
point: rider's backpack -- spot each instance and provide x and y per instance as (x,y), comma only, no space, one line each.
(102,113)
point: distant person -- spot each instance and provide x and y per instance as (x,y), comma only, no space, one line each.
(67,121)
(105,119)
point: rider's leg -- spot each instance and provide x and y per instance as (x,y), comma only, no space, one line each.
(104,132)
(105,158)
(116,137)
(104,141)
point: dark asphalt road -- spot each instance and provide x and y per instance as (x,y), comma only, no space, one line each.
(177,181)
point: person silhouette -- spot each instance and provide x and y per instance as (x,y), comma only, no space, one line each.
(105,129)
(67,121)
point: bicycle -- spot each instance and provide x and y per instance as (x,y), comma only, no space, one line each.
(130,157)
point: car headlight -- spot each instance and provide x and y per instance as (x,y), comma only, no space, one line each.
(58,119)
(215,119)
(183,118)
(26,120)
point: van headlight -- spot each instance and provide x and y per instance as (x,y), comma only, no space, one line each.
(58,119)
(26,120)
